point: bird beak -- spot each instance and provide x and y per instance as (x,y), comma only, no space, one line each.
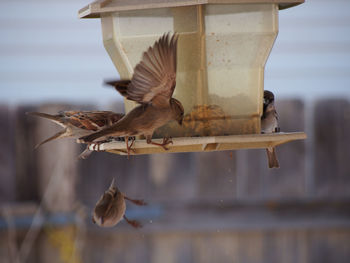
(112,184)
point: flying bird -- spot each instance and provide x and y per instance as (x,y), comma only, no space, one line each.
(269,124)
(79,123)
(110,209)
(152,86)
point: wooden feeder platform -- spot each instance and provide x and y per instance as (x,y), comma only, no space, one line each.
(204,144)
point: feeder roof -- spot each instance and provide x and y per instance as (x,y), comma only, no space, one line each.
(96,8)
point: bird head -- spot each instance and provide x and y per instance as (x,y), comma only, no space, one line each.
(107,200)
(178,110)
(268,97)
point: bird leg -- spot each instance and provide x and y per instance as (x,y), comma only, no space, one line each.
(135,201)
(133,223)
(128,147)
(97,145)
(166,141)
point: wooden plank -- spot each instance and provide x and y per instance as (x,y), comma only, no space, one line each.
(172,247)
(172,177)
(285,246)
(5,250)
(249,178)
(116,247)
(250,247)
(25,156)
(329,246)
(256,180)
(215,247)
(216,176)
(198,144)
(95,9)
(56,163)
(210,216)
(332,148)
(7,156)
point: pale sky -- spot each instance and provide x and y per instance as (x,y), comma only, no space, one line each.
(48,54)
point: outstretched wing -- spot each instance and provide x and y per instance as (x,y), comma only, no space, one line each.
(120,85)
(154,77)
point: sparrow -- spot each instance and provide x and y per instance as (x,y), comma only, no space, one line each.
(79,123)
(152,86)
(269,124)
(110,209)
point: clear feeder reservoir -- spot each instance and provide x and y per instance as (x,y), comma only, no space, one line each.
(222,50)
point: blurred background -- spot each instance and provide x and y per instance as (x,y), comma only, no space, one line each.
(203,207)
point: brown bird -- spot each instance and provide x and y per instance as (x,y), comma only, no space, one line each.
(79,123)
(152,85)
(269,124)
(110,209)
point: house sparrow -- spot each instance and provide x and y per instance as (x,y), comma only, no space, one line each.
(110,209)
(269,124)
(79,123)
(152,85)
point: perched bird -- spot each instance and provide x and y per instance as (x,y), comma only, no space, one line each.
(79,123)
(152,85)
(110,209)
(269,124)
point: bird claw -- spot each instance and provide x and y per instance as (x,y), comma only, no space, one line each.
(128,147)
(133,223)
(166,141)
(139,202)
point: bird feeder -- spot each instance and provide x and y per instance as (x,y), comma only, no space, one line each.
(222,50)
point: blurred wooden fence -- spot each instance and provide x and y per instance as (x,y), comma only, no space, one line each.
(203,207)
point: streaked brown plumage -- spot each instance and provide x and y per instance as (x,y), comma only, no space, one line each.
(110,209)
(152,85)
(79,123)
(269,124)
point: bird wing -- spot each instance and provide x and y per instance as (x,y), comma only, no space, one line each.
(124,127)
(120,85)
(92,120)
(155,76)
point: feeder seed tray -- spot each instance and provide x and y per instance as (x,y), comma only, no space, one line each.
(205,144)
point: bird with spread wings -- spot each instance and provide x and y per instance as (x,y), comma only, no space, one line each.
(152,86)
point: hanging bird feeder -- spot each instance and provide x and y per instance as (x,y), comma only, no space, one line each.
(222,50)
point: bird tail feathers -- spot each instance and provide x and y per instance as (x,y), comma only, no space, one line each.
(272,157)
(60,134)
